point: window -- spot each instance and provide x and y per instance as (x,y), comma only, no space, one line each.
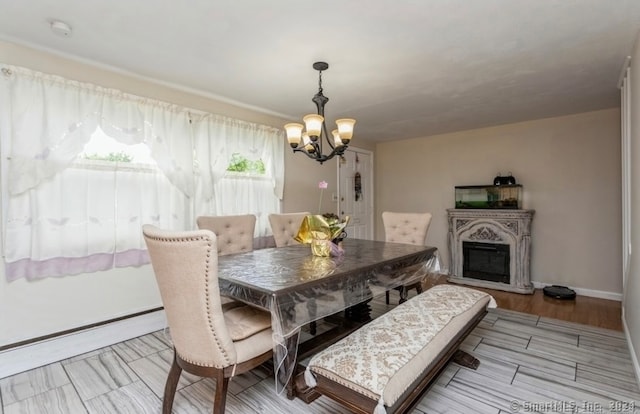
(241,164)
(102,147)
(87,166)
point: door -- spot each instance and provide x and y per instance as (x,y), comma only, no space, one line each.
(355,189)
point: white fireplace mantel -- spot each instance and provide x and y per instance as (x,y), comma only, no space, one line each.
(508,227)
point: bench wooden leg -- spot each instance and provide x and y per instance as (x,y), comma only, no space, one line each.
(303,391)
(465,359)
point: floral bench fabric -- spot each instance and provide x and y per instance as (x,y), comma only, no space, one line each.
(383,358)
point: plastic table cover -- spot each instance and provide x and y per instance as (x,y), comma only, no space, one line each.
(298,288)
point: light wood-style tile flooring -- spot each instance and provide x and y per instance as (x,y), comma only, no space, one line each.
(537,355)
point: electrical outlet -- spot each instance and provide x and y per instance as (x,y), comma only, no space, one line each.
(334,197)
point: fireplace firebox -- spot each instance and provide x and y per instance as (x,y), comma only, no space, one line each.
(486,261)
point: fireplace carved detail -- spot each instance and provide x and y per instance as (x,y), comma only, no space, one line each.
(510,228)
(485,233)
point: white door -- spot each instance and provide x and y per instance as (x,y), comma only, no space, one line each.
(355,192)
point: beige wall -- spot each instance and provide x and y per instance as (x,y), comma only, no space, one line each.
(570,171)
(562,163)
(631,311)
(33,309)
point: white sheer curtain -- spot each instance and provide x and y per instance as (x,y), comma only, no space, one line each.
(217,138)
(62,217)
(86,219)
(52,118)
(220,192)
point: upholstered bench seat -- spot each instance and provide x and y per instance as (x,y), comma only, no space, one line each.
(386,360)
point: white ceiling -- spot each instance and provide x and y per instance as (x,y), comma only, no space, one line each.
(403,69)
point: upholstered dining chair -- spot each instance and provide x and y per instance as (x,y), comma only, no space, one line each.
(207,340)
(285,227)
(409,228)
(234,233)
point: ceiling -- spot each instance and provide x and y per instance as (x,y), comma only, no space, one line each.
(403,69)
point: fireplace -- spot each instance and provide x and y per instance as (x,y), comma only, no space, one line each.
(486,261)
(491,248)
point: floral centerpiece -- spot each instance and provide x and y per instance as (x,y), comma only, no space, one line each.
(324,232)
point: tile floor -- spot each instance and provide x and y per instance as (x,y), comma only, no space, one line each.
(528,364)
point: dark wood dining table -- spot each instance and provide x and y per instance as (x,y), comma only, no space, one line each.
(298,288)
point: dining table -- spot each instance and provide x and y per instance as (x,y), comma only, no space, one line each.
(298,288)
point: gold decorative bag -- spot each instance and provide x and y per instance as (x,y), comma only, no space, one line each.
(322,233)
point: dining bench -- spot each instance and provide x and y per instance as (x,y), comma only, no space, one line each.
(387,365)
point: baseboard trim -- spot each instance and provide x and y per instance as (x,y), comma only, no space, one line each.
(37,354)
(601,294)
(632,351)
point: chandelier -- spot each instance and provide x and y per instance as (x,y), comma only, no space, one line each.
(307,138)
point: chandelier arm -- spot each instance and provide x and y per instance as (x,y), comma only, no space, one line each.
(326,135)
(321,158)
(312,155)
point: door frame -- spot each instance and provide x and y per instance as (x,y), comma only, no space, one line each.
(369,178)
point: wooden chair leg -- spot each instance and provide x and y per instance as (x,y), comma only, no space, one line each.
(171,385)
(222,383)
(404,293)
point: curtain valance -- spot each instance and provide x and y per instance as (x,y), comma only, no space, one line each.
(52,118)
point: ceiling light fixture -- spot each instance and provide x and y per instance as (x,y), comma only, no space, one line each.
(311,138)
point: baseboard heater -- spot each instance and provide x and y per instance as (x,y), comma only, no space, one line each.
(36,352)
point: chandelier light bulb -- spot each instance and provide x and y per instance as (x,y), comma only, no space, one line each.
(345,129)
(294,134)
(337,141)
(313,123)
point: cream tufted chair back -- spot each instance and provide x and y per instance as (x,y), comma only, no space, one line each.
(409,228)
(234,233)
(285,227)
(207,340)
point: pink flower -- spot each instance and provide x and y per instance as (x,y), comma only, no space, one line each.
(321,185)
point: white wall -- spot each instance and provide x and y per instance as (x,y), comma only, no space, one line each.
(570,171)
(631,311)
(33,309)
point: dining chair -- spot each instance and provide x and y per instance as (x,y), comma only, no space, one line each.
(409,228)
(207,340)
(234,234)
(285,227)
